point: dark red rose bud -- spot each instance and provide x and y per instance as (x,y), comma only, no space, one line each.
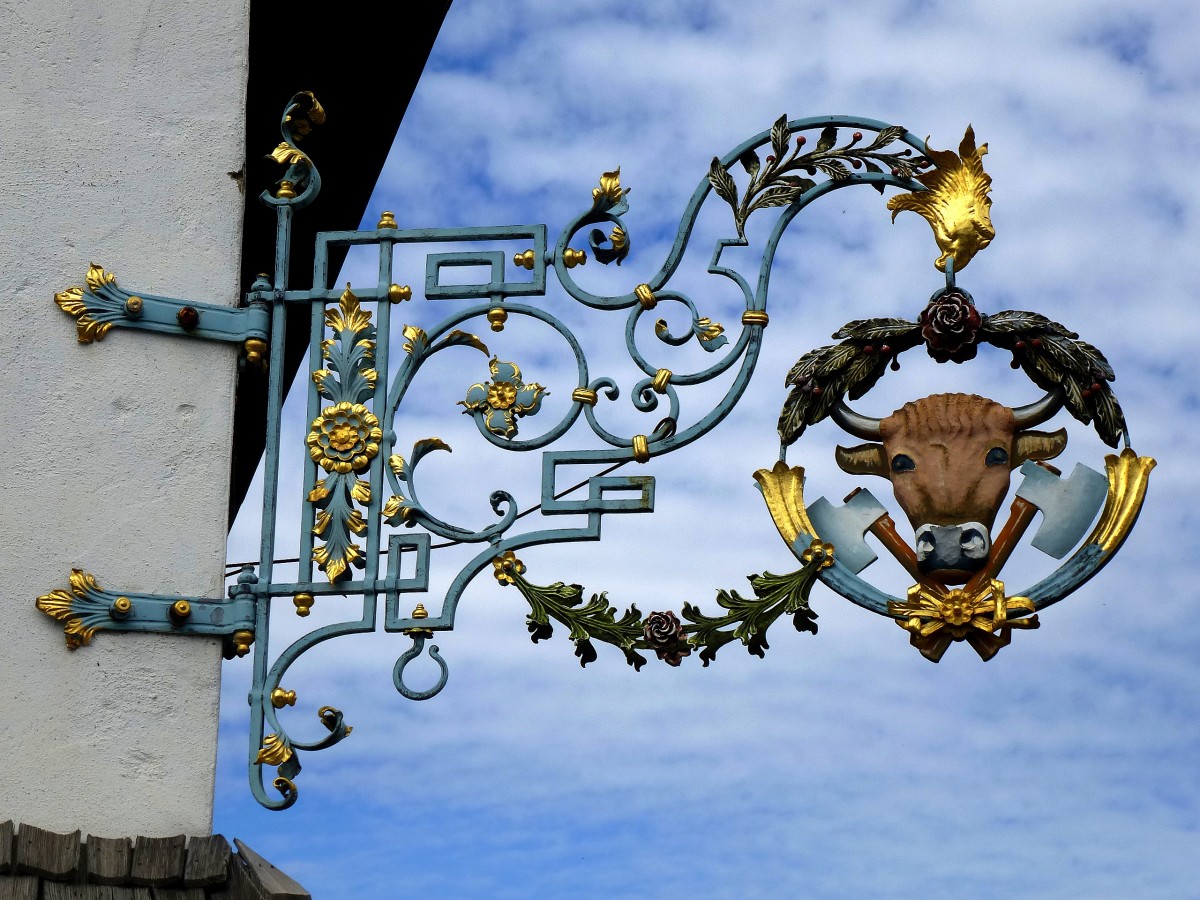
(949,326)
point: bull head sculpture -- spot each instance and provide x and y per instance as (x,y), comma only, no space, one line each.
(949,458)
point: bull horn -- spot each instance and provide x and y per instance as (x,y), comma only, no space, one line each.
(854,423)
(1036,413)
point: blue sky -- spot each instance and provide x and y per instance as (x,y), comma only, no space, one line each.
(843,764)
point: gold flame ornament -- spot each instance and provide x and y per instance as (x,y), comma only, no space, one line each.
(956,204)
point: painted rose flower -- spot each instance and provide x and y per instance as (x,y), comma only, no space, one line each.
(664,635)
(949,325)
(504,400)
(344,438)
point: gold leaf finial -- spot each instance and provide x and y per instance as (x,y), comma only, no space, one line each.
(956,202)
(610,192)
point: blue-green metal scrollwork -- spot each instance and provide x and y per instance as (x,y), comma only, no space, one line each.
(385,482)
(360,502)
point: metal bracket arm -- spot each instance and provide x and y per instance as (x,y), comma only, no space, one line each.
(85,608)
(101,304)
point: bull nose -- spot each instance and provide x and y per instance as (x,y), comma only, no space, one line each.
(962,548)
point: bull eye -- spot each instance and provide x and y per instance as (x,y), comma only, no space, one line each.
(997,456)
(902,463)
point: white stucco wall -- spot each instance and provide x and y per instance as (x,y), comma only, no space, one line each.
(119,125)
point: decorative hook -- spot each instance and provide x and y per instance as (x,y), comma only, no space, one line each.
(411,654)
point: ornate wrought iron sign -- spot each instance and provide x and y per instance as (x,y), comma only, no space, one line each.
(949,456)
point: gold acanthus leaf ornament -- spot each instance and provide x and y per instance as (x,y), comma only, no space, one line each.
(61,605)
(275,751)
(610,192)
(72,302)
(956,202)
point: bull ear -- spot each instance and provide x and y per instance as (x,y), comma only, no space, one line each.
(1039,445)
(865,459)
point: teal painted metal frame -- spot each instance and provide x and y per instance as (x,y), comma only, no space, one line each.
(271,301)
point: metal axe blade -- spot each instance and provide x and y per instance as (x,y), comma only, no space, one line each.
(1068,505)
(844,527)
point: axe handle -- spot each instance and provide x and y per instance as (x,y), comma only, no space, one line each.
(885,530)
(1020,517)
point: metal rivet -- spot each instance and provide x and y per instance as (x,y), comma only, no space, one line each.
(133,307)
(180,611)
(188,318)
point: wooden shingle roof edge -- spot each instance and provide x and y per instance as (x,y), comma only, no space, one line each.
(36,864)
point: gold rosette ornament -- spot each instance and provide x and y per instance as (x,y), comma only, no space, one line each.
(344,438)
(935,617)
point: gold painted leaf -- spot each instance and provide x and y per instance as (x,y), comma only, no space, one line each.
(708,329)
(70,301)
(355,522)
(56,604)
(323,519)
(417,340)
(361,491)
(88,329)
(463,339)
(334,568)
(396,464)
(97,277)
(609,193)
(349,315)
(319,491)
(286,154)
(275,751)
(82,583)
